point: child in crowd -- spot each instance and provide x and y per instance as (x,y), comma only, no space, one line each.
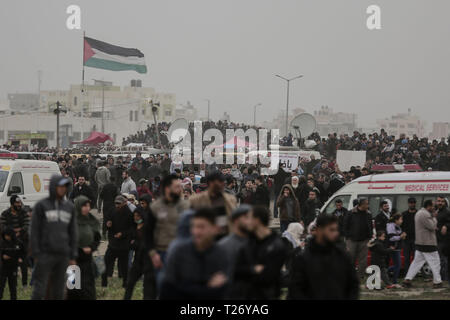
(379,256)
(11,251)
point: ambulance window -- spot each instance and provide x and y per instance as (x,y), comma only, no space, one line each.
(402,202)
(3,178)
(332,205)
(374,203)
(16,184)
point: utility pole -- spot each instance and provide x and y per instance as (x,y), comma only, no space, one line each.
(103,83)
(209,105)
(288,81)
(155,107)
(58,111)
(254,113)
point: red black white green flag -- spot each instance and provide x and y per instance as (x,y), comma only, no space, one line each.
(102,55)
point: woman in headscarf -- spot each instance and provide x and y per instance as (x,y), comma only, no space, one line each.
(88,240)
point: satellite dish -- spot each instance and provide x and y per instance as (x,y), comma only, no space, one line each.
(303,125)
(178,130)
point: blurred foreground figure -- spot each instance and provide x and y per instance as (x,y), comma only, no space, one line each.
(197,268)
(88,241)
(258,264)
(53,241)
(323,270)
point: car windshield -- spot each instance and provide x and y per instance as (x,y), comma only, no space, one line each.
(3,178)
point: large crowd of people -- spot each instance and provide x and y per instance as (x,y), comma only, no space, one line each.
(208,231)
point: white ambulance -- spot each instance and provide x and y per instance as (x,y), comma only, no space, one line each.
(29,179)
(396,187)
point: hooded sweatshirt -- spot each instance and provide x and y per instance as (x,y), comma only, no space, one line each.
(53,225)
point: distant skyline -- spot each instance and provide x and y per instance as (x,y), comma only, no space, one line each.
(229,51)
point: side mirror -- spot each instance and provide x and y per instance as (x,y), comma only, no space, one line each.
(14,190)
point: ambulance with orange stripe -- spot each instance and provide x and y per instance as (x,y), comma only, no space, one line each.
(28,178)
(395,187)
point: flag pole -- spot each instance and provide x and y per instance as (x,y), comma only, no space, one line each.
(82,92)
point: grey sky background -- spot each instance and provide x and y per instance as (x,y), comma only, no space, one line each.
(230,50)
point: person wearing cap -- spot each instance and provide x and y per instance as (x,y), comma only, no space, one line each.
(143,188)
(54,240)
(120,225)
(214,196)
(408,227)
(238,236)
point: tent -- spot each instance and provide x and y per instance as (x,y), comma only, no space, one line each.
(95,138)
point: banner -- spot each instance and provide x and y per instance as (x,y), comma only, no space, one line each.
(345,159)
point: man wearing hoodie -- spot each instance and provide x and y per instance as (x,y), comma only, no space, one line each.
(88,241)
(53,239)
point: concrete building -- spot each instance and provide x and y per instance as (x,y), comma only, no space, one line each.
(187,111)
(406,123)
(23,101)
(440,130)
(329,121)
(126,111)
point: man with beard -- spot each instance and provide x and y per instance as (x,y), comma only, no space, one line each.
(323,271)
(310,208)
(383,217)
(82,189)
(215,195)
(17,219)
(443,223)
(258,265)
(167,210)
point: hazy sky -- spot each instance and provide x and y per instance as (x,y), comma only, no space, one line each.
(230,50)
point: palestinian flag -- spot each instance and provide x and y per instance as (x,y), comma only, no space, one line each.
(102,55)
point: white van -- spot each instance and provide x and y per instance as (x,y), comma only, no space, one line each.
(28,178)
(396,187)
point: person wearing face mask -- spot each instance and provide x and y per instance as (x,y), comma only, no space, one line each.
(88,241)
(166,209)
(17,219)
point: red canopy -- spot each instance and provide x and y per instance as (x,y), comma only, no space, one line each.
(236,142)
(95,138)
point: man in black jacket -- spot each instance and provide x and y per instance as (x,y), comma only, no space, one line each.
(310,208)
(82,189)
(340,212)
(323,270)
(443,223)
(109,193)
(358,231)
(54,241)
(120,227)
(382,218)
(262,195)
(17,219)
(408,226)
(258,264)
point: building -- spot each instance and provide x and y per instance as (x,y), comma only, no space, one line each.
(440,130)
(329,121)
(23,102)
(403,123)
(119,111)
(187,111)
